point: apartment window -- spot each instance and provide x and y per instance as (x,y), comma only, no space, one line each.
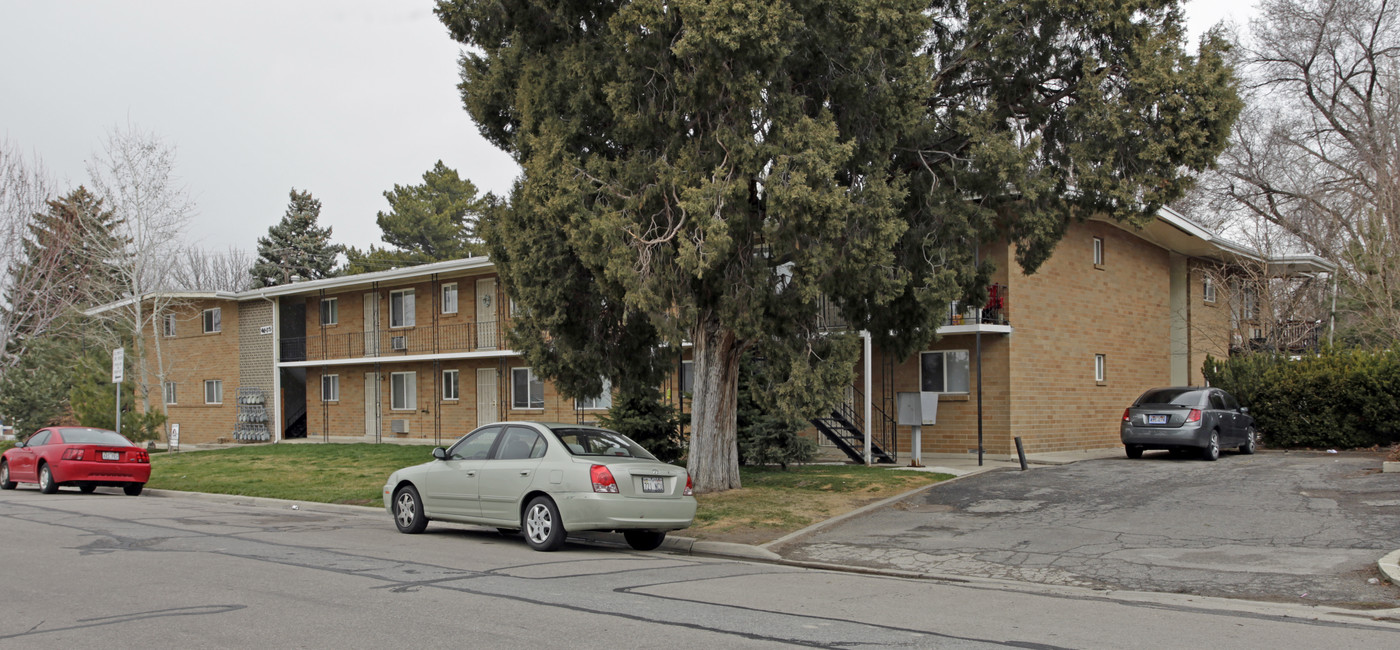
(1098,251)
(213,391)
(401,308)
(330,311)
(169,391)
(599,403)
(451,388)
(213,320)
(1098,367)
(1256,333)
(449,298)
(169,329)
(1251,303)
(945,371)
(403,391)
(514,309)
(687,376)
(330,388)
(526,390)
(1208,290)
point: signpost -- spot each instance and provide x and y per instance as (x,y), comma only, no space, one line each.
(174,437)
(118,365)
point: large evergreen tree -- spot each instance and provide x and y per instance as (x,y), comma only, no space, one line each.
(296,246)
(704,171)
(431,222)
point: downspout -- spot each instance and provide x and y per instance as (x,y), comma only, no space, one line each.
(865,340)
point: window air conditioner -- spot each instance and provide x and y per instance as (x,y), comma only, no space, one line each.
(398,426)
(398,342)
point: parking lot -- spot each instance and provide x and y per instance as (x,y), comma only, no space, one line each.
(1294,527)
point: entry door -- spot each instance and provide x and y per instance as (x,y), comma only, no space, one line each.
(486,326)
(486,393)
(371,324)
(371,404)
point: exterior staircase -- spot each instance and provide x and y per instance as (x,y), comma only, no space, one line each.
(842,428)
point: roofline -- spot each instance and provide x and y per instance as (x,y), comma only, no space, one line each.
(449,266)
(1305,263)
(171,295)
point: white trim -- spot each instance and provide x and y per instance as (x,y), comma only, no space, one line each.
(455,297)
(204,320)
(944,353)
(1098,251)
(410,391)
(529,374)
(335,388)
(169,393)
(408,305)
(456,384)
(334,303)
(218,387)
(168,327)
(1100,367)
(360,361)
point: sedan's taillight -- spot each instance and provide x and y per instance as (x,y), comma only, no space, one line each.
(603,480)
(1125,416)
(1194,415)
(689,487)
(72,453)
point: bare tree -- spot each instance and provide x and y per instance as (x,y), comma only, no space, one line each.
(135,173)
(1317,152)
(199,269)
(24,188)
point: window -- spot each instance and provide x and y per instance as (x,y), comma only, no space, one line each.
(1098,251)
(687,376)
(944,371)
(41,438)
(601,402)
(330,388)
(1251,302)
(403,391)
(514,309)
(1208,290)
(169,326)
(213,320)
(450,385)
(449,298)
(401,308)
(169,392)
(519,444)
(213,391)
(1098,367)
(330,311)
(476,446)
(526,390)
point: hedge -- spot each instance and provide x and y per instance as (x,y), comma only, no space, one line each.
(1338,398)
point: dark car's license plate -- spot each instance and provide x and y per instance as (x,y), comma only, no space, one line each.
(653,484)
(1156,419)
(111,455)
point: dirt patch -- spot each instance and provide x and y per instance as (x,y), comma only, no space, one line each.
(767,519)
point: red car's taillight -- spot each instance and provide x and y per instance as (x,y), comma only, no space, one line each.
(689,487)
(1125,416)
(1194,415)
(72,453)
(603,480)
(142,457)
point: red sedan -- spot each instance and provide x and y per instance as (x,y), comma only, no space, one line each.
(77,456)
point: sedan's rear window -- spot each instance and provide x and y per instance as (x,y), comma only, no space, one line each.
(1172,396)
(93,437)
(600,442)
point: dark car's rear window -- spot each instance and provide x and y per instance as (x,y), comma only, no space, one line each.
(1172,396)
(93,437)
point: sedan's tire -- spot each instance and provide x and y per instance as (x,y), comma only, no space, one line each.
(644,540)
(544,530)
(1133,451)
(1212,449)
(133,489)
(87,489)
(46,483)
(1251,440)
(5,482)
(408,511)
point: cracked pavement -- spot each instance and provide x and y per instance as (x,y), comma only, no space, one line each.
(1293,527)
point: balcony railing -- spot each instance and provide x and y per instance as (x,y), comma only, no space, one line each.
(429,339)
(994,313)
(1285,336)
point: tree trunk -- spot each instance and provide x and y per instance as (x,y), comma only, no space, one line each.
(714,446)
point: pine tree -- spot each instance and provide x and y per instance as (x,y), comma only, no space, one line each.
(431,222)
(295,248)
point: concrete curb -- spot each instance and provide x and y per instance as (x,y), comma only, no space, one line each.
(1390,567)
(265,502)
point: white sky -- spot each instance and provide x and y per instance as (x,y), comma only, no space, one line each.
(344,98)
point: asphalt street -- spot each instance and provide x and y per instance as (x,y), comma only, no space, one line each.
(1290,527)
(163,572)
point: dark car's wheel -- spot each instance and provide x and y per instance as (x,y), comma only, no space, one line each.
(5,482)
(46,484)
(408,511)
(133,489)
(1251,440)
(1212,448)
(643,540)
(87,489)
(1134,451)
(543,529)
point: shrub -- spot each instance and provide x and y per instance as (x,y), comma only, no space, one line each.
(767,435)
(642,415)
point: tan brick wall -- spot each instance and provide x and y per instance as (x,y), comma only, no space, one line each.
(191,357)
(1209,325)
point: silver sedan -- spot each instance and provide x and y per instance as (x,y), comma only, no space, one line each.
(545,479)
(1187,418)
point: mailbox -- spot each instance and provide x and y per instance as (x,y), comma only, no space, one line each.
(916,409)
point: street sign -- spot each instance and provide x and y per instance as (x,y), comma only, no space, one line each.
(118,356)
(174,437)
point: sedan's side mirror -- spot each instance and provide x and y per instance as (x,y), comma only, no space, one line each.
(1244,409)
(439,453)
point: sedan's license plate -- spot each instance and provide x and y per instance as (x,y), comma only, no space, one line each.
(1156,419)
(111,455)
(653,484)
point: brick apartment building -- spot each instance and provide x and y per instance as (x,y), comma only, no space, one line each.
(420,353)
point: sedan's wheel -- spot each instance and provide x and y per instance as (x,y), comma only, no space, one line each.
(408,511)
(5,482)
(46,484)
(643,540)
(543,529)
(87,489)
(1134,451)
(1212,449)
(133,489)
(1251,439)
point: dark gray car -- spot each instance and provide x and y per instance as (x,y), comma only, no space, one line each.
(1187,418)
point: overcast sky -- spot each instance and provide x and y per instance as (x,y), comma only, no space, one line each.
(344,98)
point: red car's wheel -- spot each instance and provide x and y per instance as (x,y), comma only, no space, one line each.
(133,489)
(5,482)
(46,484)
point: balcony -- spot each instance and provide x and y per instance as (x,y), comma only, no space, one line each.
(479,336)
(1284,336)
(990,318)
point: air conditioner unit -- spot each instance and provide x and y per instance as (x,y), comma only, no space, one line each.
(398,426)
(398,342)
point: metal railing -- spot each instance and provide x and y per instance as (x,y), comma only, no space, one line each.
(994,313)
(429,339)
